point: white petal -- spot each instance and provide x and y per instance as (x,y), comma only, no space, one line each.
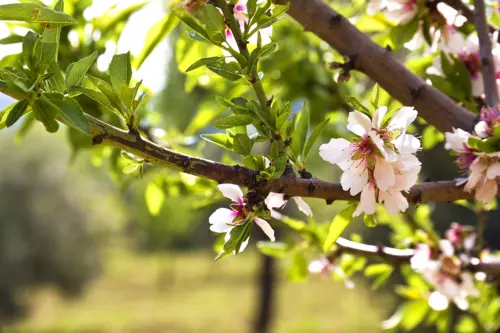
(467,285)
(403,118)
(275,200)
(438,301)
(220,219)
(384,174)
(405,180)
(486,190)
(477,85)
(421,257)
(470,242)
(359,123)
(446,247)
(266,227)
(303,206)
(377,140)
(407,143)
(457,140)
(374,6)
(335,151)
(232,192)
(367,201)
(394,201)
(493,171)
(354,179)
(378,117)
(319,266)
(482,129)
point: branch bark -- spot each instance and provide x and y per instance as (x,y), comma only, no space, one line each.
(402,256)
(379,64)
(292,186)
(487,64)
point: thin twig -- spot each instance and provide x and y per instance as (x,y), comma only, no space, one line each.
(487,64)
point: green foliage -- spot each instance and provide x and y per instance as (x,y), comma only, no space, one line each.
(338,225)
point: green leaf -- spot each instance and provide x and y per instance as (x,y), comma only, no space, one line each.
(203,62)
(214,21)
(12,39)
(56,81)
(120,71)
(297,272)
(314,136)
(370,221)
(414,314)
(219,139)
(17,112)
(273,249)
(280,167)
(29,42)
(377,269)
(35,13)
(108,91)
(338,225)
(46,112)
(100,98)
(71,112)
(155,35)
(228,70)
(194,24)
(375,96)
(300,134)
(353,101)
(401,34)
(131,168)
(155,196)
(233,121)
(53,35)
(242,144)
(76,71)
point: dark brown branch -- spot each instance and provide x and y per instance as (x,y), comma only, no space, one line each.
(222,173)
(487,64)
(400,256)
(379,64)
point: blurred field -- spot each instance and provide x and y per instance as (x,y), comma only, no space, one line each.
(188,292)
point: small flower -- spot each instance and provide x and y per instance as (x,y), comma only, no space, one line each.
(277,200)
(223,220)
(399,11)
(483,177)
(324,267)
(445,274)
(241,16)
(381,162)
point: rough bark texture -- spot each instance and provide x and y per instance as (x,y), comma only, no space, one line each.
(380,65)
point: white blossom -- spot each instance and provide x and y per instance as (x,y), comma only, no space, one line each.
(445,274)
(380,163)
(277,200)
(223,220)
(399,11)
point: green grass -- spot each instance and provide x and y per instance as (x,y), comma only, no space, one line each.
(188,292)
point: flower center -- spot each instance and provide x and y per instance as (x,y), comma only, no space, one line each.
(242,213)
(472,62)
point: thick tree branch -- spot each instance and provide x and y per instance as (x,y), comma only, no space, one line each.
(487,64)
(379,64)
(290,185)
(401,256)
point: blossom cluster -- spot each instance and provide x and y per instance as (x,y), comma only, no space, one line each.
(399,11)
(481,167)
(443,268)
(223,220)
(380,163)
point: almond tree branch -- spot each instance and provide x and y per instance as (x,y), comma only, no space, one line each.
(487,64)
(290,185)
(379,64)
(401,256)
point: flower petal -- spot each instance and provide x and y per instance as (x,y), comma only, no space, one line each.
(335,151)
(232,192)
(275,200)
(438,301)
(359,123)
(407,143)
(482,129)
(402,119)
(367,201)
(220,219)
(378,117)
(303,206)
(446,247)
(456,141)
(486,190)
(354,178)
(384,174)
(266,227)
(493,171)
